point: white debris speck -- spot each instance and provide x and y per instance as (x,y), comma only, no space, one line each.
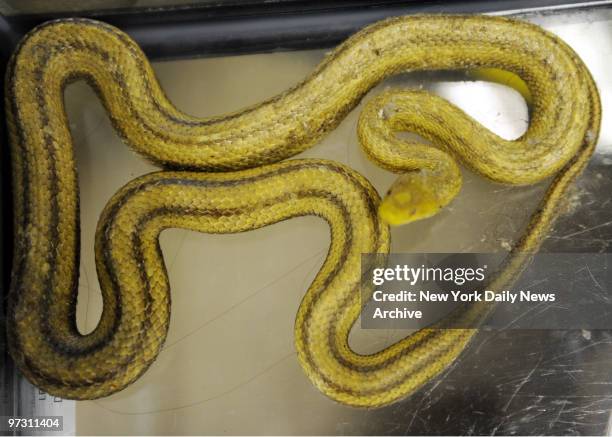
(505,244)
(590,135)
(586,334)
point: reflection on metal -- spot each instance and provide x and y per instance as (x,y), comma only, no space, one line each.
(553,8)
(21,7)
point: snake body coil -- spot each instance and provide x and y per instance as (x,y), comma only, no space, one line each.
(42,333)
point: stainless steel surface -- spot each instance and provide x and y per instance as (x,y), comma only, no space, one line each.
(20,7)
(25,7)
(229,366)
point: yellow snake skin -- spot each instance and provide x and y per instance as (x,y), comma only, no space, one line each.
(253,190)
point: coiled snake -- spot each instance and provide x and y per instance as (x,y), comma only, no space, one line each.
(252,189)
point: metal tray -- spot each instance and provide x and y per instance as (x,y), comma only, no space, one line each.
(228,366)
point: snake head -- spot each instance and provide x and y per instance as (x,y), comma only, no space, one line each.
(417,195)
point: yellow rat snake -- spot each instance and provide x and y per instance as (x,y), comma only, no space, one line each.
(225,175)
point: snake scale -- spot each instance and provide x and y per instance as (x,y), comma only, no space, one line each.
(226,174)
